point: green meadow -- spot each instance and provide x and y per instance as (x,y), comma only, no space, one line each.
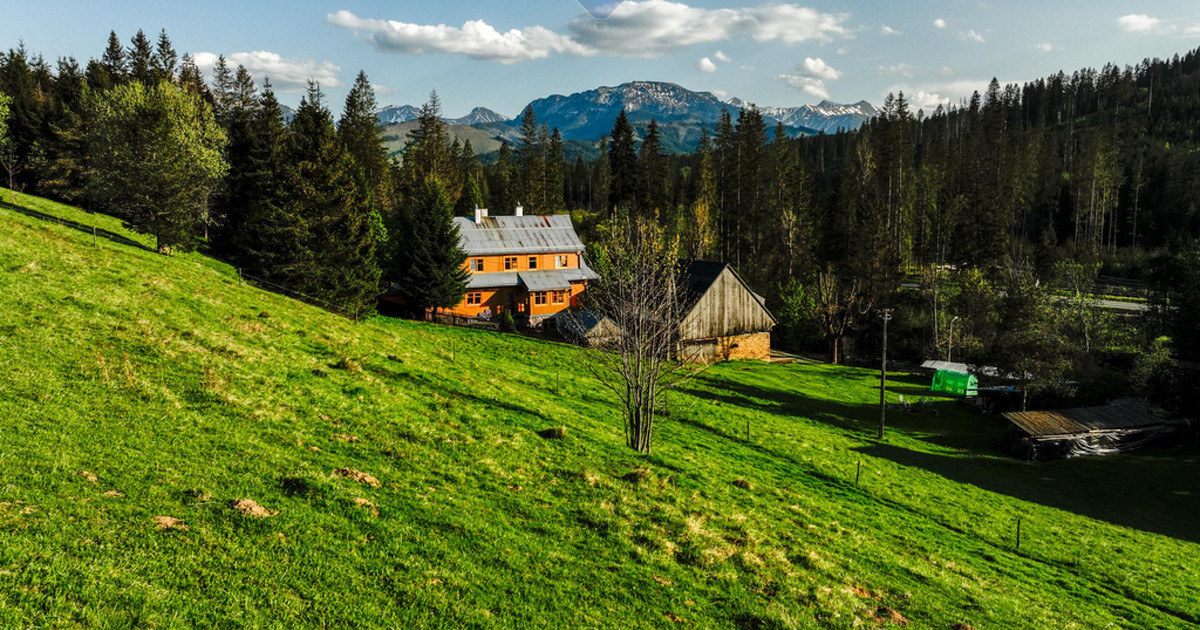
(408,475)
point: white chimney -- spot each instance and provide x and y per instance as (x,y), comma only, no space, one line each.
(480,214)
(520,212)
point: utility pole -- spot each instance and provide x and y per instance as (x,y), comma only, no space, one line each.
(950,349)
(887,317)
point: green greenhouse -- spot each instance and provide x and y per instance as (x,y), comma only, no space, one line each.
(956,383)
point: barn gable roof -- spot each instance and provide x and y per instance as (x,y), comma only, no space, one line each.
(518,235)
(700,275)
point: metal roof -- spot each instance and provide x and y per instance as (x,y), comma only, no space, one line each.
(544,280)
(493,280)
(1116,417)
(518,235)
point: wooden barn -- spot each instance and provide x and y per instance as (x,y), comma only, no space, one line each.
(723,319)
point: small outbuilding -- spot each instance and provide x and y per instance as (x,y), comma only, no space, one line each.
(723,319)
(1120,427)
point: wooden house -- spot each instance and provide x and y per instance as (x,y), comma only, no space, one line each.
(532,266)
(723,319)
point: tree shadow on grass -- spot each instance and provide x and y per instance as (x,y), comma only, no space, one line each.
(1155,490)
(1151,491)
(86,229)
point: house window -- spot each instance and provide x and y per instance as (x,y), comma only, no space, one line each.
(561,261)
(476,264)
(533,262)
(474,299)
(539,298)
(510,262)
(559,297)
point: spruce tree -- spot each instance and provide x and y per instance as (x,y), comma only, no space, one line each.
(113,60)
(271,241)
(554,173)
(141,59)
(165,61)
(190,78)
(232,201)
(222,89)
(343,232)
(601,181)
(623,165)
(653,176)
(360,133)
(531,187)
(427,151)
(435,276)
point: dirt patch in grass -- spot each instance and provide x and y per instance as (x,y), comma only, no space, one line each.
(743,483)
(861,592)
(114,493)
(252,509)
(170,522)
(366,505)
(89,476)
(888,616)
(345,437)
(357,476)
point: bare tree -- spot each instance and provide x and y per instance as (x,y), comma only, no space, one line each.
(841,304)
(638,302)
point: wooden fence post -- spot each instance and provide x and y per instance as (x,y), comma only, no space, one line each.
(93,236)
(857,473)
(1018,533)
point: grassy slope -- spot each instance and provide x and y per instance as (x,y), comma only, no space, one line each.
(184,390)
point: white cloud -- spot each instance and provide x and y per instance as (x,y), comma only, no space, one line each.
(706,65)
(653,27)
(644,28)
(819,69)
(887,30)
(1192,31)
(808,85)
(927,100)
(1138,23)
(287,75)
(722,57)
(810,77)
(902,69)
(844,50)
(939,23)
(721,94)
(476,39)
(971,36)
(947,70)
(1046,47)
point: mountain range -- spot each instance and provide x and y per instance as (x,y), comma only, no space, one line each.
(584,117)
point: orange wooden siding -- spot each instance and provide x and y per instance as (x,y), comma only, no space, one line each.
(524,303)
(543,262)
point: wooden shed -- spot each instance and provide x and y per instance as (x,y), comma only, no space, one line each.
(723,319)
(1122,426)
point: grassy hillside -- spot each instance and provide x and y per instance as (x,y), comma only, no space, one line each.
(144,395)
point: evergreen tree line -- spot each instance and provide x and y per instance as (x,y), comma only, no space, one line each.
(1045,184)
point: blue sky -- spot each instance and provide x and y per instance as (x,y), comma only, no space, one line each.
(501,55)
